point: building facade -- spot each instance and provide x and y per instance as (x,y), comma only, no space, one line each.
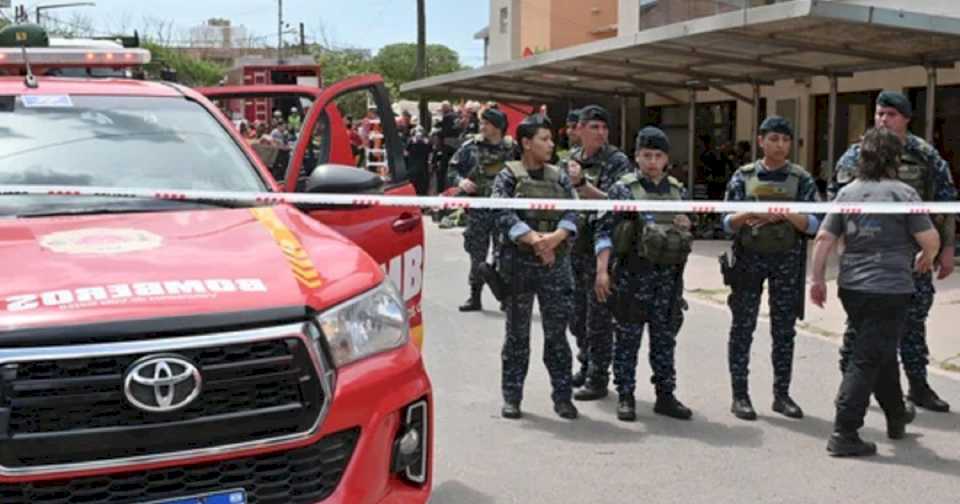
(519,28)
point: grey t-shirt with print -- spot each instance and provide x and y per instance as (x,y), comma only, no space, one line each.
(880,249)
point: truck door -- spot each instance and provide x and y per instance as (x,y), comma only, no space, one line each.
(393,236)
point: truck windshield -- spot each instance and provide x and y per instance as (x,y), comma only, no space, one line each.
(112,141)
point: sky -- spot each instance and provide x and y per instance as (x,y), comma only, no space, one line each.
(345,23)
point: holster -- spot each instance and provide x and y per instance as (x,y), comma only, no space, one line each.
(736,278)
(624,309)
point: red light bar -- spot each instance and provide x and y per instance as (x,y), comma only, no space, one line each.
(67,57)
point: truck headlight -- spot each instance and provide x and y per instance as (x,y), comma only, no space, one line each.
(373,322)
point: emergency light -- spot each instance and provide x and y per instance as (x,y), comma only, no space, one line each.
(64,53)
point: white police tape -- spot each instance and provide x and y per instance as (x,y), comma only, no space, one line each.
(447,202)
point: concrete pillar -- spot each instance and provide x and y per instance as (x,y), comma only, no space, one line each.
(692,140)
(931,103)
(754,129)
(832,124)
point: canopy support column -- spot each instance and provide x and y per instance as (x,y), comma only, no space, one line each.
(832,125)
(691,140)
(623,123)
(931,103)
(756,122)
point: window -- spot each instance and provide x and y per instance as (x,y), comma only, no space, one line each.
(504,19)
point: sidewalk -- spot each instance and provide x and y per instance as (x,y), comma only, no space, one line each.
(703,281)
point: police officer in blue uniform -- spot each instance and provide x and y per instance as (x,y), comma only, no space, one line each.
(594,166)
(535,261)
(767,248)
(650,252)
(923,169)
(473,169)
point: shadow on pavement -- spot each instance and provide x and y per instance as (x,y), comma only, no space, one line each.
(937,421)
(455,492)
(609,430)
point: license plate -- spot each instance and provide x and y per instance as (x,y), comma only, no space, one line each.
(228,497)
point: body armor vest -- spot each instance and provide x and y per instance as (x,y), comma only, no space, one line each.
(591,172)
(544,221)
(916,174)
(490,162)
(771,238)
(655,239)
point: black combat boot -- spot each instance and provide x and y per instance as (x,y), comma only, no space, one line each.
(592,391)
(742,408)
(473,303)
(511,410)
(565,409)
(785,406)
(668,405)
(579,379)
(924,397)
(849,444)
(897,427)
(627,408)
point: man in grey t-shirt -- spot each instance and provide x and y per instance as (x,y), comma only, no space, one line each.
(880,249)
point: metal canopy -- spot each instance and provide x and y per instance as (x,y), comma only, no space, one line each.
(756,46)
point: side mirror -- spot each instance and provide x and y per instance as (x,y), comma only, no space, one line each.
(343,179)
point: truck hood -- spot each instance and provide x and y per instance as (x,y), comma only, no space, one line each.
(103,268)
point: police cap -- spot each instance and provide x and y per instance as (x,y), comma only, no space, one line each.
(776,124)
(653,138)
(495,117)
(594,113)
(897,101)
(529,127)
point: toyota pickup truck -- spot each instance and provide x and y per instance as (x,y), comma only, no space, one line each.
(192,351)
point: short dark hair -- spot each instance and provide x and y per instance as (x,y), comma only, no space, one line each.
(529,127)
(880,154)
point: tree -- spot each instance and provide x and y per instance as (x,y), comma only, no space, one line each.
(191,71)
(397,63)
(338,64)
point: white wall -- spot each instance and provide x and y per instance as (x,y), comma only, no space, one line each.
(628,17)
(501,44)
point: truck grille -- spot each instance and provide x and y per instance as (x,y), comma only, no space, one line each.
(73,410)
(304,475)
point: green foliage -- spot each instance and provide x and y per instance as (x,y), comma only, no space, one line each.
(397,63)
(191,71)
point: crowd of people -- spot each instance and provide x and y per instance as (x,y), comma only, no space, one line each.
(604,277)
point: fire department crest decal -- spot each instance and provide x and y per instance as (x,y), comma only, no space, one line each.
(101,241)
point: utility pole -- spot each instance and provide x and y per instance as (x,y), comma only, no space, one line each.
(279,31)
(422,61)
(303,41)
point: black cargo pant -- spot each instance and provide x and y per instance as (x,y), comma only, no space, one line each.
(879,320)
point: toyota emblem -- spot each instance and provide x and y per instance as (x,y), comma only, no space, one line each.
(162,383)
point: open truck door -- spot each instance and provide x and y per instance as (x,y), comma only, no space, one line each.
(322,159)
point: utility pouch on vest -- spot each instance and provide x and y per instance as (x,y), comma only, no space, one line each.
(623,236)
(772,238)
(665,244)
(583,244)
(636,264)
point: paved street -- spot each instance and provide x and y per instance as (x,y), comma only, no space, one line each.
(715,458)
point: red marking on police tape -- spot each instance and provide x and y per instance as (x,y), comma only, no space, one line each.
(543,206)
